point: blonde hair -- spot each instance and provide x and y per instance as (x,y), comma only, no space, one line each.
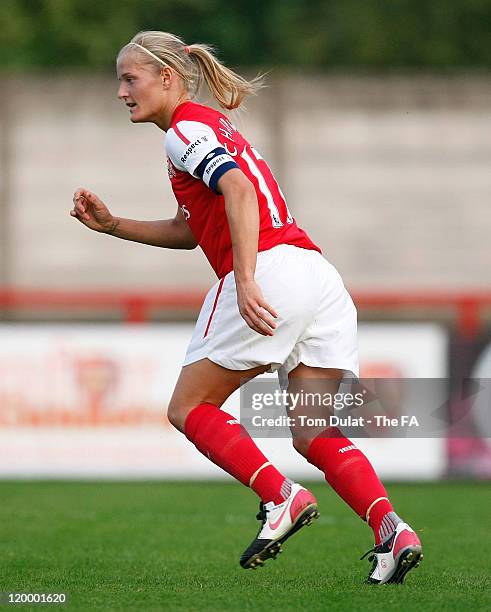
(195,64)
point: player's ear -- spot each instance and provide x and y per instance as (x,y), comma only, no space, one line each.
(165,77)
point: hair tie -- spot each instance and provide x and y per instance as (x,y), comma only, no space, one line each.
(187,50)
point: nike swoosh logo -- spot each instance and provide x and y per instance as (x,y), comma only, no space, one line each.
(275,525)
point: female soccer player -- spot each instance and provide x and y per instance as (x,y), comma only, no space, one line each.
(278,304)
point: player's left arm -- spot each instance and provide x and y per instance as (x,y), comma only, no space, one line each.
(242,212)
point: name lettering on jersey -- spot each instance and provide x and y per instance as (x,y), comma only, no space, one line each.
(226,133)
(227,126)
(227,129)
(232,152)
(185,211)
(190,149)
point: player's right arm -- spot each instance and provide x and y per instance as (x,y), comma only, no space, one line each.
(167,233)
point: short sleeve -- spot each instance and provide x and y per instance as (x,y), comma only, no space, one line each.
(193,147)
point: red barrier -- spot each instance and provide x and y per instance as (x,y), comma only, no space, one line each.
(136,306)
(467,306)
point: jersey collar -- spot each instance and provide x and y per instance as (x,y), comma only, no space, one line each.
(177,111)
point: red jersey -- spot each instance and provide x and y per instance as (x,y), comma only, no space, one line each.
(201,145)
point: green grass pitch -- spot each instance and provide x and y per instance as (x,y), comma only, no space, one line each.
(175,546)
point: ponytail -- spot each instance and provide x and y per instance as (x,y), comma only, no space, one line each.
(227,87)
(195,64)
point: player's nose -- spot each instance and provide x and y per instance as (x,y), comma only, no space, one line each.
(122,92)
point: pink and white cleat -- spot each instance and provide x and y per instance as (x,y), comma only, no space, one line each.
(278,523)
(393,558)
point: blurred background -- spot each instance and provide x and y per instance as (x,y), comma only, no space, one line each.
(377,123)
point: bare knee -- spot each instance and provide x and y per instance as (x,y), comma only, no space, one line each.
(177,414)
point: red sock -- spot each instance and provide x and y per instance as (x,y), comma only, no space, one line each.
(353,478)
(221,438)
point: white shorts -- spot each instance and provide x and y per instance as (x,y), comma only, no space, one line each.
(316,323)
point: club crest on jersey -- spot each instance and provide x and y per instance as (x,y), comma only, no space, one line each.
(185,211)
(171,171)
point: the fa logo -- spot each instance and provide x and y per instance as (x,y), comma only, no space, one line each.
(185,212)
